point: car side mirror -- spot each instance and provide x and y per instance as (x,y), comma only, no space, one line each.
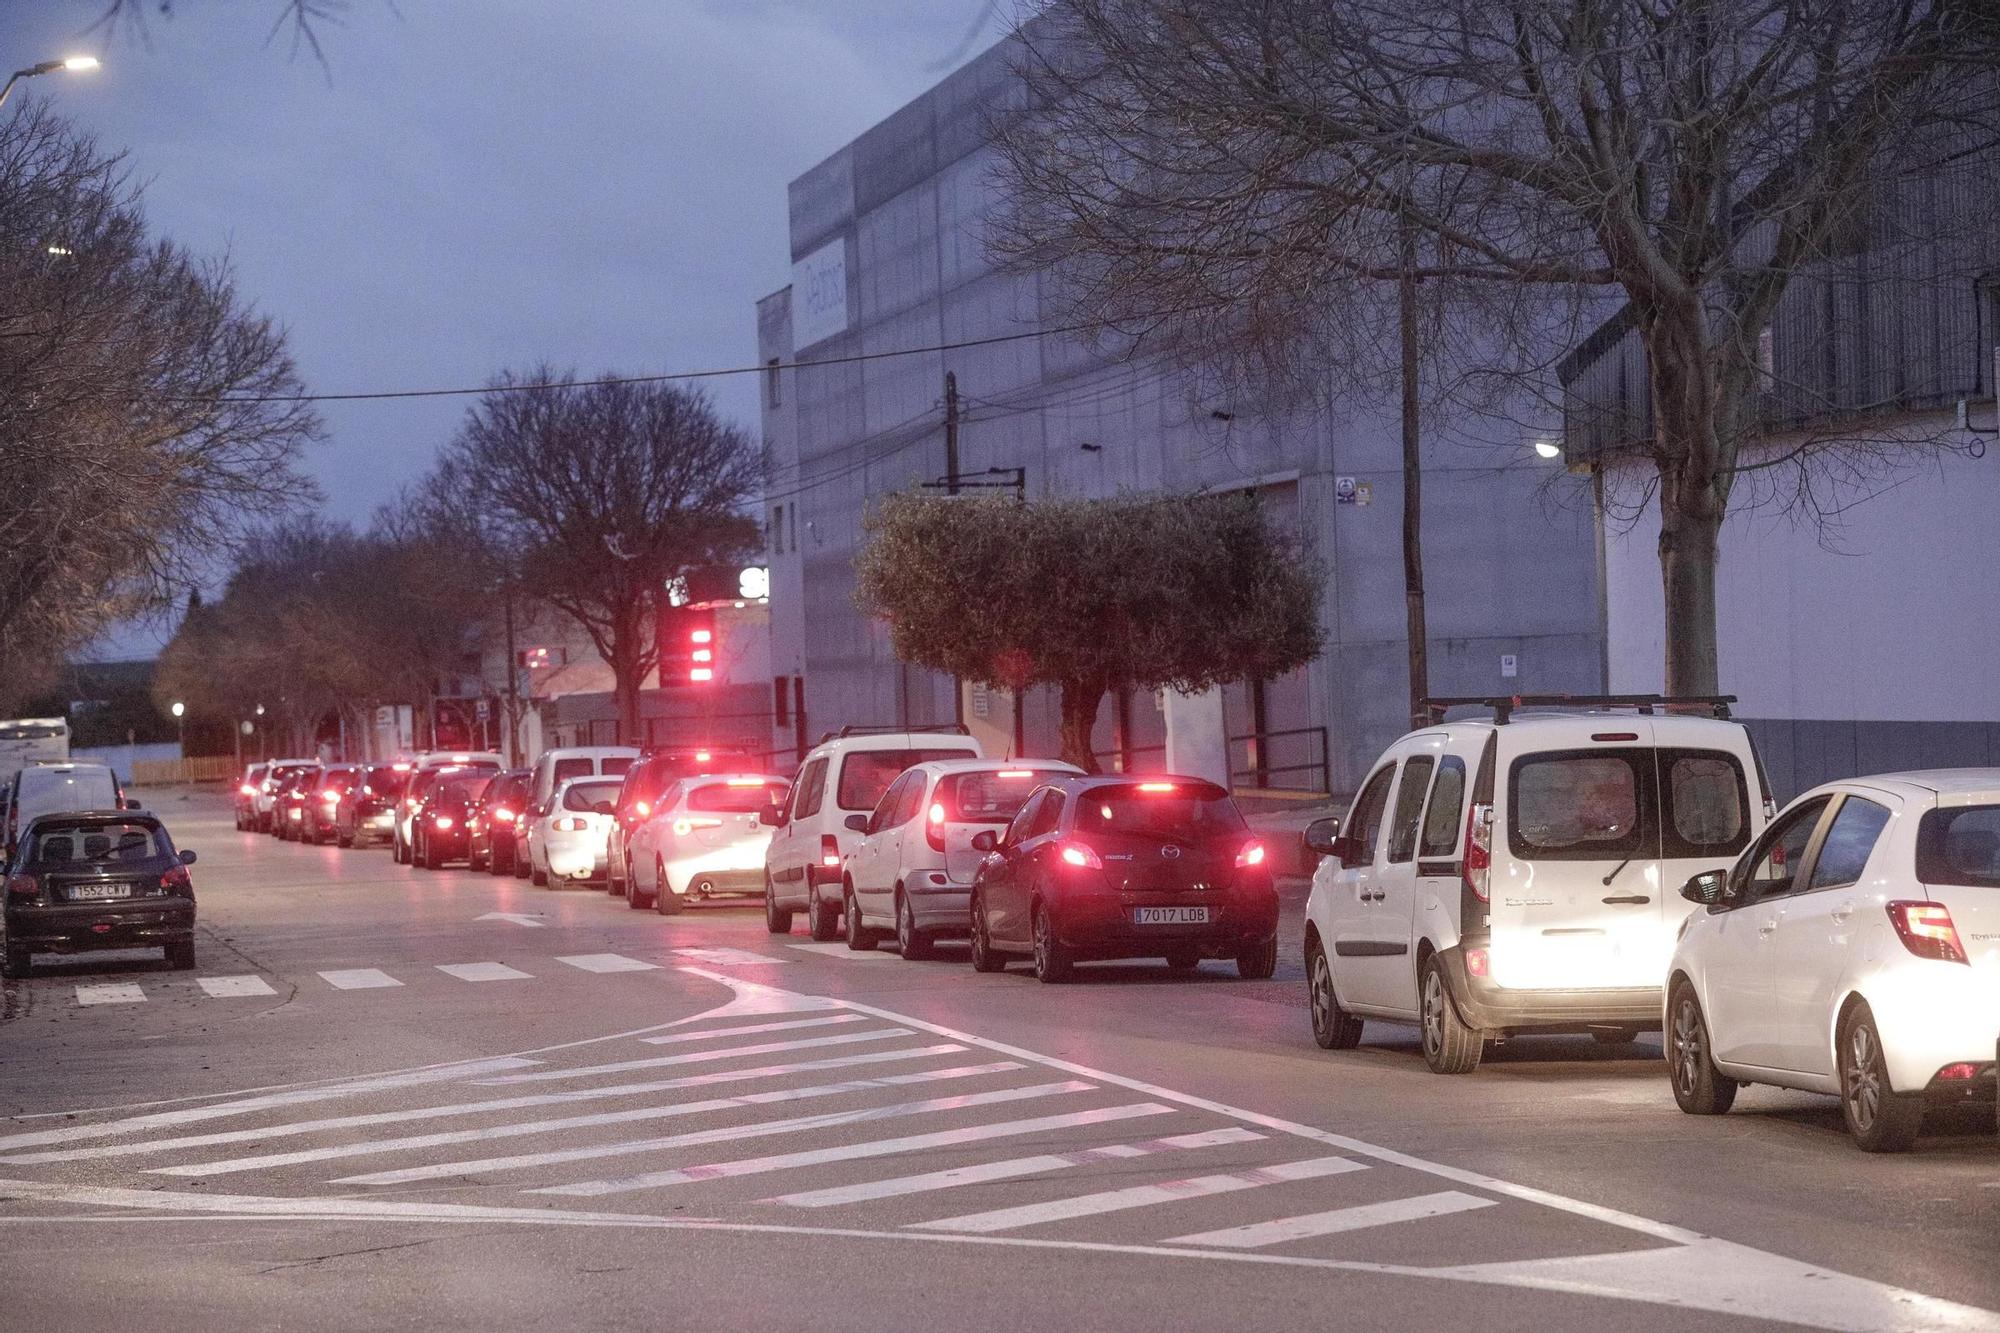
(985,840)
(858,823)
(1708,888)
(1322,836)
(772,815)
(187,857)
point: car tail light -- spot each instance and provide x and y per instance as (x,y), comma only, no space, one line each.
(330,797)
(1251,855)
(247,789)
(1477,964)
(1959,1072)
(1479,850)
(642,808)
(934,826)
(701,756)
(829,851)
(295,812)
(442,821)
(571,824)
(1017,773)
(744,782)
(23,886)
(411,802)
(1927,931)
(1156,787)
(177,882)
(502,815)
(687,824)
(1080,856)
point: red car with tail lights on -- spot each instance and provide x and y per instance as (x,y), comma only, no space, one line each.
(1124,867)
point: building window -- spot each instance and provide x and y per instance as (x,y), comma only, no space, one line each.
(772,390)
(781,702)
(777,542)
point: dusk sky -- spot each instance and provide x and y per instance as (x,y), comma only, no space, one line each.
(472,184)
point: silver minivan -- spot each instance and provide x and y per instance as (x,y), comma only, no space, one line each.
(60,789)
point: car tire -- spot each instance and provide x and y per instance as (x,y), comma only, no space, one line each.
(859,938)
(1450,1047)
(343,839)
(519,864)
(1699,1088)
(913,944)
(824,920)
(539,878)
(985,958)
(1257,962)
(635,899)
(1333,1027)
(1880,1118)
(777,920)
(665,901)
(16,963)
(1053,963)
(180,955)
(1184,960)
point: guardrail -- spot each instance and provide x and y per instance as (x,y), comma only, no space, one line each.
(1261,747)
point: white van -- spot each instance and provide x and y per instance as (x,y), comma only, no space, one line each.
(60,789)
(1521,873)
(554,768)
(845,774)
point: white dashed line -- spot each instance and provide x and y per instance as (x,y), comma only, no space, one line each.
(227,987)
(358,978)
(113,993)
(483,972)
(607,962)
(1336,1220)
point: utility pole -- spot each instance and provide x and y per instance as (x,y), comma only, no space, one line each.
(1413,482)
(513,684)
(950,433)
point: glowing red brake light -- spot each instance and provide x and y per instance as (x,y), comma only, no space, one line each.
(442,821)
(24,886)
(829,851)
(1251,855)
(502,815)
(1961,1070)
(1080,856)
(247,789)
(1479,851)
(701,756)
(1156,786)
(1017,773)
(642,808)
(1927,931)
(744,782)
(177,882)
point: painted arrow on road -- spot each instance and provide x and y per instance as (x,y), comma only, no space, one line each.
(518,918)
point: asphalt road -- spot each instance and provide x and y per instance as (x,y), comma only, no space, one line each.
(374,1104)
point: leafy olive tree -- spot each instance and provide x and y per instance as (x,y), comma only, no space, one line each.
(1182,592)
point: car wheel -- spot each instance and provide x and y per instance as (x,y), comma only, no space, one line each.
(343,839)
(1052,960)
(16,963)
(824,919)
(1184,960)
(1257,962)
(1880,1118)
(180,955)
(1450,1047)
(777,920)
(1333,1027)
(1698,1088)
(635,897)
(913,944)
(519,864)
(665,901)
(859,937)
(539,878)
(985,958)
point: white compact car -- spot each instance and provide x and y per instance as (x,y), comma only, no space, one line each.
(911,871)
(1520,872)
(570,837)
(1854,949)
(844,775)
(265,798)
(705,838)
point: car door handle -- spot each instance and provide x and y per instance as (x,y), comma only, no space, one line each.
(1634,898)
(1766,927)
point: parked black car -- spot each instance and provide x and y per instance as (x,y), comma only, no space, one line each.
(323,800)
(288,810)
(491,823)
(438,829)
(101,880)
(368,813)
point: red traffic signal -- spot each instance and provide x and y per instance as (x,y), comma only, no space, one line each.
(688,645)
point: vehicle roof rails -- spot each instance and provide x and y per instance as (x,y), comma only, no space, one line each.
(1504,706)
(941,728)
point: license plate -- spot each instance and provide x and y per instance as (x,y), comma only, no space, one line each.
(1170,916)
(81,891)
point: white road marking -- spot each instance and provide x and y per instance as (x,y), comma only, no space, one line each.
(607,962)
(724,1134)
(675,1038)
(483,972)
(842,951)
(326,1123)
(111,993)
(359,978)
(981,1173)
(944,1138)
(1142,1196)
(1359,1218)
(518,918)
(227,987)
(721,957)
(446,1138)
(694,1057)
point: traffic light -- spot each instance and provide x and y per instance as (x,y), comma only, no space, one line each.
(688,647)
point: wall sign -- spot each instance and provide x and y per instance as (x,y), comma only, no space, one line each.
(819,295)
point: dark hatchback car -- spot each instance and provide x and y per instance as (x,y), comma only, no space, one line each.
(368,812)
(101,880)
(1123,867)
(288,809)
(438,829)
(322,807)
(490,825)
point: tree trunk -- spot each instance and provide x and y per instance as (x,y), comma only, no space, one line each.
(1080,700)
(626,676)
(1689,550)
(1693,462)
(1415,623)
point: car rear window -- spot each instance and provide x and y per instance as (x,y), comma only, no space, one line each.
(1588,805)
(1960,847)
(386,781)
(1707,802)
(59,844)
(866,774)
(1181,813)
(573,768)
(736,798)
(584,796)
(989,798)
(616,767)
(467,790)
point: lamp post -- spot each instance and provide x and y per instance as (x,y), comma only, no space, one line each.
(179,710)
(74,64)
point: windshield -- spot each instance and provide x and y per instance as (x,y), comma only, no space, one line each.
(95,844)
(584,796)
(1608,804)
(866,774)
(1158,810)
(387,781)
(1960,847)
(989,798)
(462,791)
(736,798)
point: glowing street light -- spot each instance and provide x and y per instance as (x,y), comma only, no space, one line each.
(72,64)
(1548,449)
(179,710)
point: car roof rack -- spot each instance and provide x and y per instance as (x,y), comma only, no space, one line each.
(939,728)
(1504,706)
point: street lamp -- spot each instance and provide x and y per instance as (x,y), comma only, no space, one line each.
(74,64)
(179,710)
(1548,449)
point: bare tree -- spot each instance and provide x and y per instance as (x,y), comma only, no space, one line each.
(600,495)
(137,435)
(1203,165)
